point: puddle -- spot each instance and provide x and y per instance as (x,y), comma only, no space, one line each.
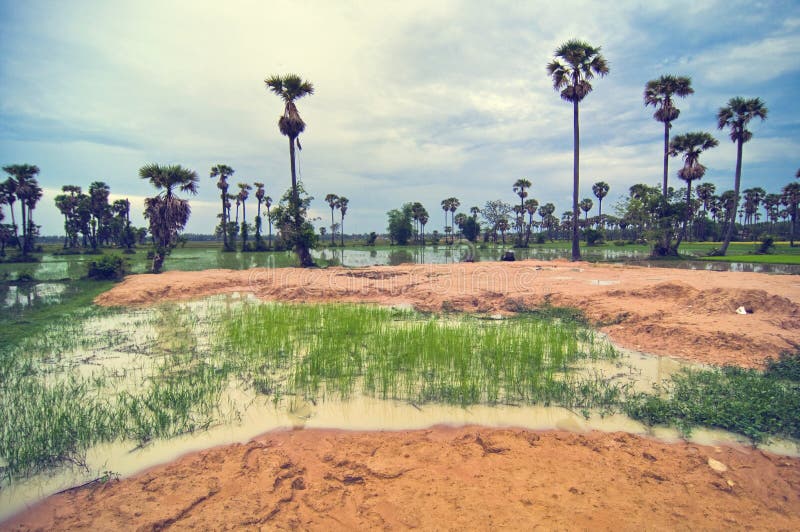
(28,295)
(598,282)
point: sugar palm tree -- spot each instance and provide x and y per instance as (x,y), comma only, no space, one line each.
(520,189)
(342,211)
(446,208)
(333,203)
(690,146)
(659,93)
(454,205)
(531,205)
(244,193)
(167,213)
(586,205)
(290,88)
(260,199)
(22,185)
(8,197)
(600,190)
(790,198)
(575,65)
(736,116)
(223,172)
(268,204)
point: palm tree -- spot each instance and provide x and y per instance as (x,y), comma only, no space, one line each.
(790,198)
(8,197)
(586,205)
(22,185)
(530,207)
(333,203)
(690,146)
(244,193)
(342,211)
(735,116)
(659,93)
(454,204)
(224,172)
(292,87)
(167,213)
(575,64)
(600,190)
(268,204)
(446,208)
(520,186)
(260,198)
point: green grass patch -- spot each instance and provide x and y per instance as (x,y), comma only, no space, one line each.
(758,259)
(747,401)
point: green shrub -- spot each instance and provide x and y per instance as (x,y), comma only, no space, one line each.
(108,267)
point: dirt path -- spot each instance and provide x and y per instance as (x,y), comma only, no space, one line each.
(682,313)
(444,478)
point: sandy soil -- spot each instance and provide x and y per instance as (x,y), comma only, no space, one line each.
(444,478)
(472,477)
(681,313)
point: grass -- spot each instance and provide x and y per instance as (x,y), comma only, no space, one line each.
(747,401)
(758,259)
(87,377)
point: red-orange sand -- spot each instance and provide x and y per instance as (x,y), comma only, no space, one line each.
(472,477)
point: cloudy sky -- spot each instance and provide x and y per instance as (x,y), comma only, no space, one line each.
(414,101)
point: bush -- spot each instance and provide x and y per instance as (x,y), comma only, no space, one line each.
(372,238)
(766,246)
(594,237)
(109,267)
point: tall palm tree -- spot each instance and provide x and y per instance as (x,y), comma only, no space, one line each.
(690,146)
(659,93)
(446,208)
(342,211)
(244,193)
(586,205)
(600,190)
(290,88)
(333,203)
(22,184)
(268,204)
(224,172)
(575,65)
(167,213)
(520,189)
(454,205)
(8,197)
(531,206)
(790,198)
(260,198)
(735,116)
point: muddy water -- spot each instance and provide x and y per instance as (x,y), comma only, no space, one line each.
(248,414)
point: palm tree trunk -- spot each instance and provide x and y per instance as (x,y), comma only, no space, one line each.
(736,183)
(244,227)
(295,196)
(14,223)
(341,231)
(333,231)
(269,221)
(576,250)
(224,224)
(666,158)
(299,246)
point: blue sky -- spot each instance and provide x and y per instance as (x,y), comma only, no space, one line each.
(415,101)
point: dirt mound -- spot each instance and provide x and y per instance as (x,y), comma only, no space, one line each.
(463,478)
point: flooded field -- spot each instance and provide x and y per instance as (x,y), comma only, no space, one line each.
(121,390)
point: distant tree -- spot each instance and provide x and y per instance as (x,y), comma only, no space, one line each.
(659,94)
(343,202)
(586,205)
(399,228)
(531,205)
(260,193)
(244,193)
(8,197)
(690,146)
(290,88)
(600,190)
(167,213)
(502,226)
(22,184)
(224,172)
(736,116)
(333,203)
(576,63)
(471,228)
(268,204)
(790,197)
(520,188)
(494,211)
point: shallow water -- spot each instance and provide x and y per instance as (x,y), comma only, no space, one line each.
(125,347)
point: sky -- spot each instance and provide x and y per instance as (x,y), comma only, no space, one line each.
(414,100)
